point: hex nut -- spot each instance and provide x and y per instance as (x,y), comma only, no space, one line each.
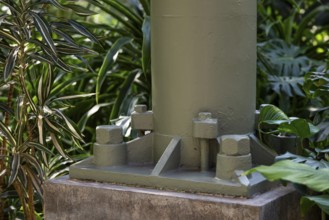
(142,121)
(235,145)
(109,134)
(110,154)
(227,165)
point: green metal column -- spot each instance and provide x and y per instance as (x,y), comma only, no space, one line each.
(203,59)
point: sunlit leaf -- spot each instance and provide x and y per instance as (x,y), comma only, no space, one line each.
(322,201)
(57,145)
(271,112)
(69,124)
(7,133)
(8,36)
(315,179)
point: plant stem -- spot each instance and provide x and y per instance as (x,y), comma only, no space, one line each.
(3,151)
(323,215)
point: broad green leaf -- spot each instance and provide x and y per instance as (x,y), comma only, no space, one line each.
(271,112)
(299,127)
(307,160)
(108,62)
(44,30)
(322,201)
(10,63)
(315,179)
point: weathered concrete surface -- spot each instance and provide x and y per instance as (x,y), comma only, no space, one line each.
(78,200)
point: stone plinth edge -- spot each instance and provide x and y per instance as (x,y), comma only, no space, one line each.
(74,199)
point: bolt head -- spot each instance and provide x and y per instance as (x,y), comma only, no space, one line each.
(204,115)
(109,134)
(140,108)
(235,145)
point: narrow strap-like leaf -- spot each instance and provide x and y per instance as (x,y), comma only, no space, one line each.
(66,37)
(56,4)
(41,58)
(108,61)
(34,162)
(5,108)
(124,10)
(57,145)
(45,32)
(10,63)
(38,146)
(6,132)
(14,167)
(8,36)
(74,96)
(69,124)
(36,181)
(79,10)
(82,30)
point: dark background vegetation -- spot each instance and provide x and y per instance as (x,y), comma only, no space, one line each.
(68,66)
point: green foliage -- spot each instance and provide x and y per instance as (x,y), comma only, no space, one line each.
(314,179)
(34,127)
(277,122)
(291,43)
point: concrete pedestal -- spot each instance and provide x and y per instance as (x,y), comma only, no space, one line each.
(74,199)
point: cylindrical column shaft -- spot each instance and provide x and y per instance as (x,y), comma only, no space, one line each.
(203,59)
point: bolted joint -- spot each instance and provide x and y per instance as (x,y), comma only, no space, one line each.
(235,145)
(142,120)
(205,126)
(140,108)
(109,134)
